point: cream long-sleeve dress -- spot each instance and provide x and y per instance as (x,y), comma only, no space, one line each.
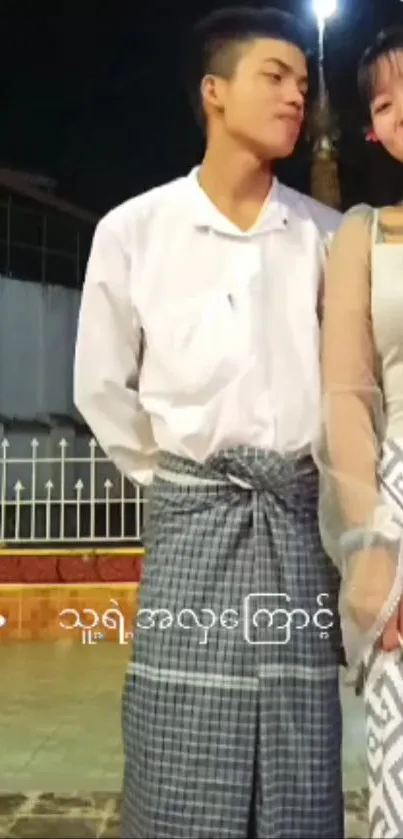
(360,457)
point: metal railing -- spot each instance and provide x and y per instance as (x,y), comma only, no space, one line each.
(50,498)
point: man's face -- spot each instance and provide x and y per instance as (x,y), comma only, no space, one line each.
(263,104)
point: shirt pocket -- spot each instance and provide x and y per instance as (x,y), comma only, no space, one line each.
(197,345)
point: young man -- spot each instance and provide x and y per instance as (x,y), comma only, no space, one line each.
(197,368)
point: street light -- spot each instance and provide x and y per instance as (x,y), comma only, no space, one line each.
(324,9)
(324,174)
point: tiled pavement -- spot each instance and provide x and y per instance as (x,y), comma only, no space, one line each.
(60,732)
(52,816)
(97,815)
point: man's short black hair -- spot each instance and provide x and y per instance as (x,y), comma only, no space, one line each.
(214,46)
(386,43)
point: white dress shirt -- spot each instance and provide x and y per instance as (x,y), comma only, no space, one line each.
(194,336)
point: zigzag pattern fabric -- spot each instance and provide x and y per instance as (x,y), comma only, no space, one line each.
(384,718)
(383,695)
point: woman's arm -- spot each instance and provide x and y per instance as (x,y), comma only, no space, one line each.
(351,396)
(350,501)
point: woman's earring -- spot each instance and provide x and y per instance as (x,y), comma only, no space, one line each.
(371,136)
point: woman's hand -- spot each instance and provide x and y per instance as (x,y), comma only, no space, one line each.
(390,636)
(370,578)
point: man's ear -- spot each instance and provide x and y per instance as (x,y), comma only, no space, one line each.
(212,93)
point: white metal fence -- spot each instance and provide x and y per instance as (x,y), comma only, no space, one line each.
(52,496)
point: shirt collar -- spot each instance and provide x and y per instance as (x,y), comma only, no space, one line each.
(274,214)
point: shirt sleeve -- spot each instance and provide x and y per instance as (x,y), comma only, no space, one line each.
(108,360)
(348,450)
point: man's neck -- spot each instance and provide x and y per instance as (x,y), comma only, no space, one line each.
(237,183)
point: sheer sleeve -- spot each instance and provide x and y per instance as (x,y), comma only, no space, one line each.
(352,399)
(352,516)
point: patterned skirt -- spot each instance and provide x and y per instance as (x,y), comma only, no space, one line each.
(231,708)
(383,694)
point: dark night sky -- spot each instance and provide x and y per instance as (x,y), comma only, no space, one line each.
(91,92)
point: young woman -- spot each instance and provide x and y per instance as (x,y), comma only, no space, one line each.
(361,452)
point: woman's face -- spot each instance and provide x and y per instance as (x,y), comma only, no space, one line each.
(387,103)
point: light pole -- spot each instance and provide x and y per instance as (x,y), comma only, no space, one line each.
(324,9)
(324,173)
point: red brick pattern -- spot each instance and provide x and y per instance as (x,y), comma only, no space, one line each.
(35,587)
(86,566)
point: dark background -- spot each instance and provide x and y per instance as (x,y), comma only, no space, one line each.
(92,95)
